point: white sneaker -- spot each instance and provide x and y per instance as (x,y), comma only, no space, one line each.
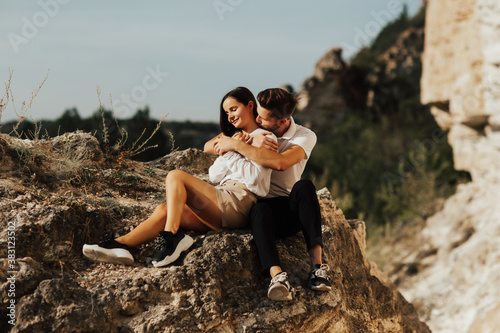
(172,247)
(279,288)
(109,251)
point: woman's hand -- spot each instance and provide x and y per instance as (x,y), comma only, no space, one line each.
(263,141)
(224,144)
(242,137)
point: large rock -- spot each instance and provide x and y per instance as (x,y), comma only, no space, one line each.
(460,80)
(338,87)
(456,287)
(404,55)
(322,99)
(217,286)
(456,270)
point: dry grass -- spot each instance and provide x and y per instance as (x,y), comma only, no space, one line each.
(47,161)
(6,96)
(120,145)
(63,159)
(23,112)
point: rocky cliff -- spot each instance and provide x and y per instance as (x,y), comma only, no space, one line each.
(57,195)
(337,87)
(327,95)
(460,80)
(458,263)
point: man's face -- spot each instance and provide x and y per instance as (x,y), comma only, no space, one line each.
(266,120)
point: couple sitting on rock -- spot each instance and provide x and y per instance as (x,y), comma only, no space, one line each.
(262,156)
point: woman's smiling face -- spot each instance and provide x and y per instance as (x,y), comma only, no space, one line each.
(238,113)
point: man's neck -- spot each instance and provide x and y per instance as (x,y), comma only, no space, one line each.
(282,129)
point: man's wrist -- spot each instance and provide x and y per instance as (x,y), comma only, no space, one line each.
(237,145)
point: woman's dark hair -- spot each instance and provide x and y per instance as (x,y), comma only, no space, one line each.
(242,95)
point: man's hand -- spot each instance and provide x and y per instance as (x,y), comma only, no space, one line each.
(224,144)
(209,145)
(262,141)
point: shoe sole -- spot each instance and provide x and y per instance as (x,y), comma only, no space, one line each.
(114,256)
(280,293)
(321,287)
(183,245)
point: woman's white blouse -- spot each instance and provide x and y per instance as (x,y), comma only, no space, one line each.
(232,165)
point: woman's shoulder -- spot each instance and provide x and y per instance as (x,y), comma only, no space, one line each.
(257,131)
(260,130)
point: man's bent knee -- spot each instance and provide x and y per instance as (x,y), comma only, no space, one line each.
(304,185)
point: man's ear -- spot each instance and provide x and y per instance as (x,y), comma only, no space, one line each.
(281,122)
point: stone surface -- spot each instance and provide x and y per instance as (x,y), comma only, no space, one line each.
(400,58)
(456,270)
(216,287)
(456,287)
(461,79)
(452,49)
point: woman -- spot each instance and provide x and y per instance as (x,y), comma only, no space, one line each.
(194,205)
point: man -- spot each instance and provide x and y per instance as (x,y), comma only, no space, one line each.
(292,204)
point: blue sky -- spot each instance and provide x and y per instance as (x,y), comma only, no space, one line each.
(177,57)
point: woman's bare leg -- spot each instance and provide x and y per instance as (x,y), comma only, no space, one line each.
(199,210)
(191,221)
(149,229)
(184,189)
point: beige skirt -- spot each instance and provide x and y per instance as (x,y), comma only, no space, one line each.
(235,201)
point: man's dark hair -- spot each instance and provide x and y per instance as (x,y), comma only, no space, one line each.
(280,102)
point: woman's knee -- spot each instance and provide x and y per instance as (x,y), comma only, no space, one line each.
(162,208)
(174,176)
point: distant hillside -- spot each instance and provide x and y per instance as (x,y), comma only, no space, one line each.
(170,136)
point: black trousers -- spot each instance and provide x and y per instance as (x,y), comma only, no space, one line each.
(280,217)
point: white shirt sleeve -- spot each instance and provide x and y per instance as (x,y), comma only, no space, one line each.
(256,177)
(219,169)
(306,139)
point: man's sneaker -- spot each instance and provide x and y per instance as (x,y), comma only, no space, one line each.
(109,251)
(318,278)
(171,247)
(279,288)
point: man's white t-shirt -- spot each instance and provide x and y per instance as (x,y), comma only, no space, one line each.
(283,181)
